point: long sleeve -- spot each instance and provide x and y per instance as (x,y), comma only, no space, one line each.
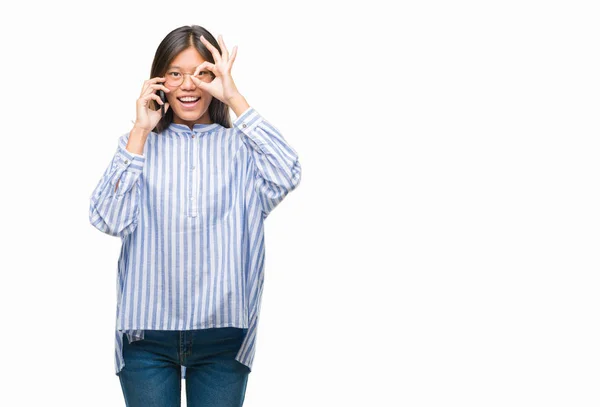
(277,170)
(114,209)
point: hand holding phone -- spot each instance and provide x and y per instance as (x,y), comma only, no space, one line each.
(146,116)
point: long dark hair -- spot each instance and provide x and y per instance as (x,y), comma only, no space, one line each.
(176,41)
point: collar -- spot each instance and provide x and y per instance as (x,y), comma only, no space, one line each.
(198,128)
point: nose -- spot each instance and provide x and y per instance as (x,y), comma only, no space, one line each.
(187,83)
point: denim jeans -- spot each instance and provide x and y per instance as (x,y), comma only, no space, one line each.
(152,373)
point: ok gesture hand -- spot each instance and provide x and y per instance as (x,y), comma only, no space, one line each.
(222,86)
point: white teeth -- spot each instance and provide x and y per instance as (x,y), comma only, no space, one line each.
(188,99)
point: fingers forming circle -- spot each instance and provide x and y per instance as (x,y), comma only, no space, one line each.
(204,65)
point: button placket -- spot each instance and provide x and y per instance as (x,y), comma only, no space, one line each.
(193,203)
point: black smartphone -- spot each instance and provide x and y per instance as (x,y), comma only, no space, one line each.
(162,96)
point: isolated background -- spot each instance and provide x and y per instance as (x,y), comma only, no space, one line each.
(441,249)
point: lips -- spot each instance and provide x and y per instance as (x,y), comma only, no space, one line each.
(188,101)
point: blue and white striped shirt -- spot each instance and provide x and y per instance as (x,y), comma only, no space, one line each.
(190,214)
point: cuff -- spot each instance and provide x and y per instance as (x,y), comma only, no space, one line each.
(247,123)
(129,161)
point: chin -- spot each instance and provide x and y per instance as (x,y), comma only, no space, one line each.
(193,116)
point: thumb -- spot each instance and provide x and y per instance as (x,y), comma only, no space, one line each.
(199,84)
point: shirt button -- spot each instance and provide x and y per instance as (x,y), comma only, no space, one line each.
(193,136)
(244,125)
(193,167)
(125,161)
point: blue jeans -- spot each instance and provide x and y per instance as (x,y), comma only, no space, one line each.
(152,373)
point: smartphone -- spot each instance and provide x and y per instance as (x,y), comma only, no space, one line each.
(162,96)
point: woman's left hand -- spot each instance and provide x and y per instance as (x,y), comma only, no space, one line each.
(222,86)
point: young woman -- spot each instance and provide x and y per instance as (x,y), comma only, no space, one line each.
(188,192)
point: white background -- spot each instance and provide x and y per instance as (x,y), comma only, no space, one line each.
(441,249)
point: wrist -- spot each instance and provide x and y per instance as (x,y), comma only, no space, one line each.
(138,131)
(137,140)
(238,104)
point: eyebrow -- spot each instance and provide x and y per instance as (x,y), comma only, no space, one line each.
(177,67)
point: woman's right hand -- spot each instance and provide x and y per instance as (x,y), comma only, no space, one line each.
(146,118)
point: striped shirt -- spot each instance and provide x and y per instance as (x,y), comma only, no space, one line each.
(190,214)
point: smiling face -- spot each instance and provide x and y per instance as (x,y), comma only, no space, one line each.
(188,102)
